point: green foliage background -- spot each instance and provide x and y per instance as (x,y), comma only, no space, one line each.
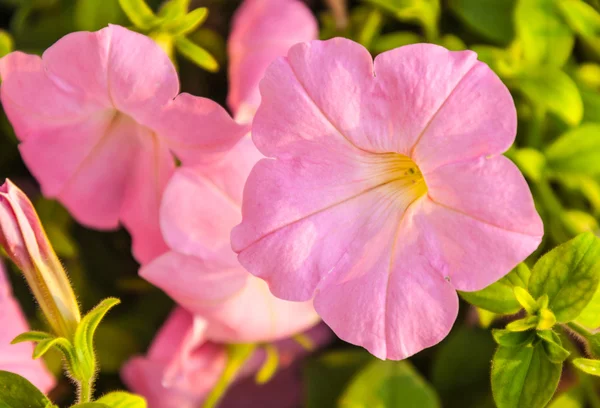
(548,54)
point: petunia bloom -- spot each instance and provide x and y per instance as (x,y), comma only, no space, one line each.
(17,358)
(182,367)
(24,239)
(203,203)
(200,207)
(385,189)
(262,31)
(100,122)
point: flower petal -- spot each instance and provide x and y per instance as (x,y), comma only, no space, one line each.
(93,195)
(238,307)
(478,118)
(472,253)
(198,130)
(141,77)
(202,204)
(388,294)
(33,101)
(152,168)
(262,31)
(17,358)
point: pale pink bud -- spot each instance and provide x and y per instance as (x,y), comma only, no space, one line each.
(25,241)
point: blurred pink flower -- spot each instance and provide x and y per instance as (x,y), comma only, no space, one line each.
(262,31)
(100,121)
(200,207)
(202,204)
(182,367)
(17,358)
(385,190)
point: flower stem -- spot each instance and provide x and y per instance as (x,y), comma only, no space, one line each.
(579,329)
(85,391)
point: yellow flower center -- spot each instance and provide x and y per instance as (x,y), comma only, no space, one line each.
(402,178)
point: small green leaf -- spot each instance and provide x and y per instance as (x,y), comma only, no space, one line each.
(43,346)
(7,44)
(576,151)
(524,324)
(122,399)
(553,346)
(588,366)
(140,14)
(173,9)
(196,54)
(543,33)
(18,392)
(569,276)
(187,23)
(590,315)
(525,299)
(547,319)
(83,341)
(523,377)
(499,296)
(509,338)
(550,88)
(384,384)
(34,336)
(269,367)
(493,19)
(91,405)
(581,17)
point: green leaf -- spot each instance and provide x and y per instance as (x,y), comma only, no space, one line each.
(34,336)
(492,19)
(547,319)
(92,15)
(122,399)
(573,398)
(196,54)
(525,299)
(18,392)
(43,346)
(576,151)
(509,338)
(550,88)
(384,384)
(327,376)
(499,296)
(543,33)
(83,341)
(590,315)
(173,9)
(187,23)
(581,17)
(269,368)
(588,366)
(6,43)
(523,377)
(569,276)
(91,405)
(553,346)
(140,14)
(425,12)
(524,324)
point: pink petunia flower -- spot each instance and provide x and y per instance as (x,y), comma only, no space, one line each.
(385,190)
(182,367)
(17,358)
(262,31)
(100,122)
(202,204)
(200,207)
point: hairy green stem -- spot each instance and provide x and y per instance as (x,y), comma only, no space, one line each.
(85,391)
